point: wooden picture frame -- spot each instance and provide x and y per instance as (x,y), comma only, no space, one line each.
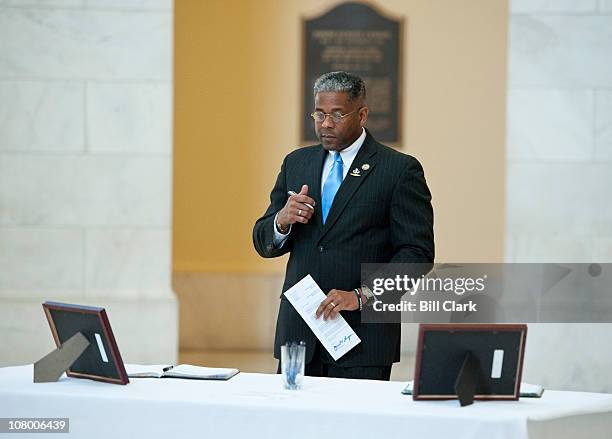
(66,319)
(439,355)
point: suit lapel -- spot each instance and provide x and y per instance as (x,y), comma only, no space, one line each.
(362,166)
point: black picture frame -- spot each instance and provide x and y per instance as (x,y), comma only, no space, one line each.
(443,350)
(101,360)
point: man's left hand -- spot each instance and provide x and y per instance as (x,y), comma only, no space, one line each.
(336,301)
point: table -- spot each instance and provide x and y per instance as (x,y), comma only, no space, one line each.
(255,406)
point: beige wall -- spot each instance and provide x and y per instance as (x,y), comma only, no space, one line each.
(237,103)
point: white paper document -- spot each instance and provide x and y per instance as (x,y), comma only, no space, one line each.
(335,335)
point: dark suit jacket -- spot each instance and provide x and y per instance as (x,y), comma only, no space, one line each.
(383,215)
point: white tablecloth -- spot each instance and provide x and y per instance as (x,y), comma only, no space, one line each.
(255,406)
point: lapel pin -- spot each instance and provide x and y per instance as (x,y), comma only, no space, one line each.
(365,166)
(356,172)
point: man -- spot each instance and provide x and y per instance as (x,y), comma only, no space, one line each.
(356,201)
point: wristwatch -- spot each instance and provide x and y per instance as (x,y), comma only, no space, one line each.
(370,297)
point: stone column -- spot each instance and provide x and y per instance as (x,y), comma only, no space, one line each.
(86,171)
(559,169)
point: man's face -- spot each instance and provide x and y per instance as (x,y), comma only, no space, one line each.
(335,136)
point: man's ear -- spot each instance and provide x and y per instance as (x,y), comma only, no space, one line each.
(363,116)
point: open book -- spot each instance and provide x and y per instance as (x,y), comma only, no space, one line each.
(527,390)
(180,371)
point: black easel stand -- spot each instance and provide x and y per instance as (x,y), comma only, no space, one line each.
(467,380)
(49,368)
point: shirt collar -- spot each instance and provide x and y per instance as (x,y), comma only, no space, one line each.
(349,153)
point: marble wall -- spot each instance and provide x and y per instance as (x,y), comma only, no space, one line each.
(559,168)
(85,171)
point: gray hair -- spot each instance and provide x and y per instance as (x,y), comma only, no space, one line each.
(341,82)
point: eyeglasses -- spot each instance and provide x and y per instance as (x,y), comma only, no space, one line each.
(336,116)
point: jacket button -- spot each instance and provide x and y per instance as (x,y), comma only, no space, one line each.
(321,248)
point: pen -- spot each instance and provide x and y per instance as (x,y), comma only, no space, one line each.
(294,193)
(292,359)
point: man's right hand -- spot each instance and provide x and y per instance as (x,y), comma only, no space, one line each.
(296,210)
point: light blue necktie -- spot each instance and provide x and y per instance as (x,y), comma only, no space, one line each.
(331,185)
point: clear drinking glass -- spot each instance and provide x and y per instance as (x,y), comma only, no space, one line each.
(292,364)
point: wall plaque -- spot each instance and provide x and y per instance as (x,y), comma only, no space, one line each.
(356,38)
